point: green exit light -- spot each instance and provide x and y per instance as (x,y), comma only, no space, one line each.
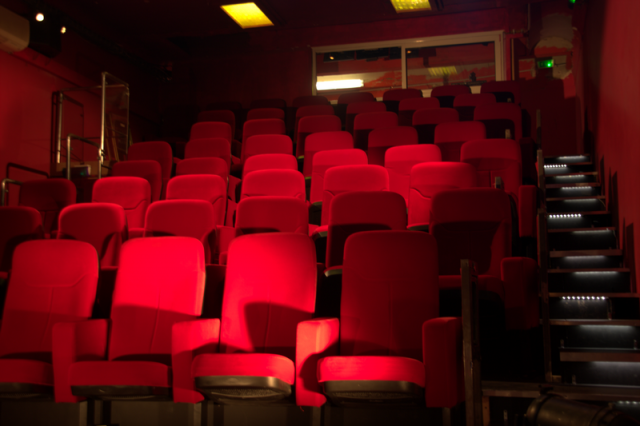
(545,63)
(572,1)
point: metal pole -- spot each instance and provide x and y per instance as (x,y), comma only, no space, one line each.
(471,343)
(5,181)
(59,136)
(69,156)
(102,123)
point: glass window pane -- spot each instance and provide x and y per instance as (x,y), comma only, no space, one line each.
(470,64)
(375,71)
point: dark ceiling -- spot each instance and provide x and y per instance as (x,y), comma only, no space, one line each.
(161,30)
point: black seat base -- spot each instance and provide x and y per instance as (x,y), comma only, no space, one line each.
(242,389)
(350,393)
(12,390)
(123,393)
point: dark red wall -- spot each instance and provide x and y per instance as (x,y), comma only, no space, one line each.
(609,91)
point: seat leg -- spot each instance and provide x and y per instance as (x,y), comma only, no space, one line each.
(100,413)
(315,416)
(446,416)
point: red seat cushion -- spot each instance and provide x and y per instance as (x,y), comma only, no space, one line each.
(26,371)
(485,283)
(391,368)
(120,373)
(263,365)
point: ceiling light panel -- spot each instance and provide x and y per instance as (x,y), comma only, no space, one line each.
(410,5)
(247,15)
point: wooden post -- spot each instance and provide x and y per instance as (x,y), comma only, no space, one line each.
(471,343)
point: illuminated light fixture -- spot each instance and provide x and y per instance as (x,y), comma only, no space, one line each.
(574,187)
(584,298)
(39,17)
(572,157)
(247,15)
(440,71)
(339,84)
(565,216)
(410,5)
(554,166)
(63,30)
(545,63)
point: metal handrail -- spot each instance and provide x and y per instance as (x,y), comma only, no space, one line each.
(71,137)
(4,190)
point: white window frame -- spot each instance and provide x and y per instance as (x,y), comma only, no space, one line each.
(497,37)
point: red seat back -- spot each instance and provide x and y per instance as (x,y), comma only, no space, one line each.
(446,94)
(305,101)
(133,194)
(222,115)
(314,124)
(449,137)
(349,98)
(365,122)
(259,113)
(146,169)
(324,141)
(407,107)
(341,179)
(282,183)
(355,108)
(272,214)
(158,151)
(51,281)
(324,160)
(353,212)
(203,166)
(48,196)
(210,188)
(504,91)
(471,224)
(160,282)
(400,159)
(17,225)
(269,162)
(270,287)
(209,147)
(426,120)
(103,225)
(265,126)
(465,104)
(492,158)
(389,289)
(268,103)
(266,144)
(380,140)
(428,179)
(499,117)
(211,129)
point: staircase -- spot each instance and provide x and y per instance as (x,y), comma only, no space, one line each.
(593,309)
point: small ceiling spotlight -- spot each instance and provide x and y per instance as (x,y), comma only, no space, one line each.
(63,30)
(39,17)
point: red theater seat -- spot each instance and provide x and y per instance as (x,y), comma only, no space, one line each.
(407,107)
(272,214)
(157,151)
(310,111)
(209,147)
(260,113)
(183,218)
(393,97)
(446,94)
(380,140)
(269,294)
(358,211)
(52,281)
(17,225)
(160,283)
(349,98)
(427,180)
(494,158)
(426,120)
(499,118)
(266,144)
(400,159)
(314,124)
(48,196)
(340,179)
(103,225)
(449,137)
(265,126)
(282,183)
(221,115)
(324,141)
(210,188)
(365,122)
(146,169)
(324,160)
(356,108)
(268,103)
(476,224)
(393,347)
(465,104)
(133,194)
(211,129)
(203,166)
(269,162)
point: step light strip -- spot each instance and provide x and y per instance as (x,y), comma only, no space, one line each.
(584,298)
(596,272)
(564,216)
(576,187)
(554,166)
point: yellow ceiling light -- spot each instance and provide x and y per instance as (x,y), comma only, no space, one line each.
(410,5)
(247,15)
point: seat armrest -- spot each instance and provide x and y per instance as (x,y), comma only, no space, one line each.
(520,277)
(73,342)
(233,184)
(315,339)
(188,340)
(442,357)
(527,207)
